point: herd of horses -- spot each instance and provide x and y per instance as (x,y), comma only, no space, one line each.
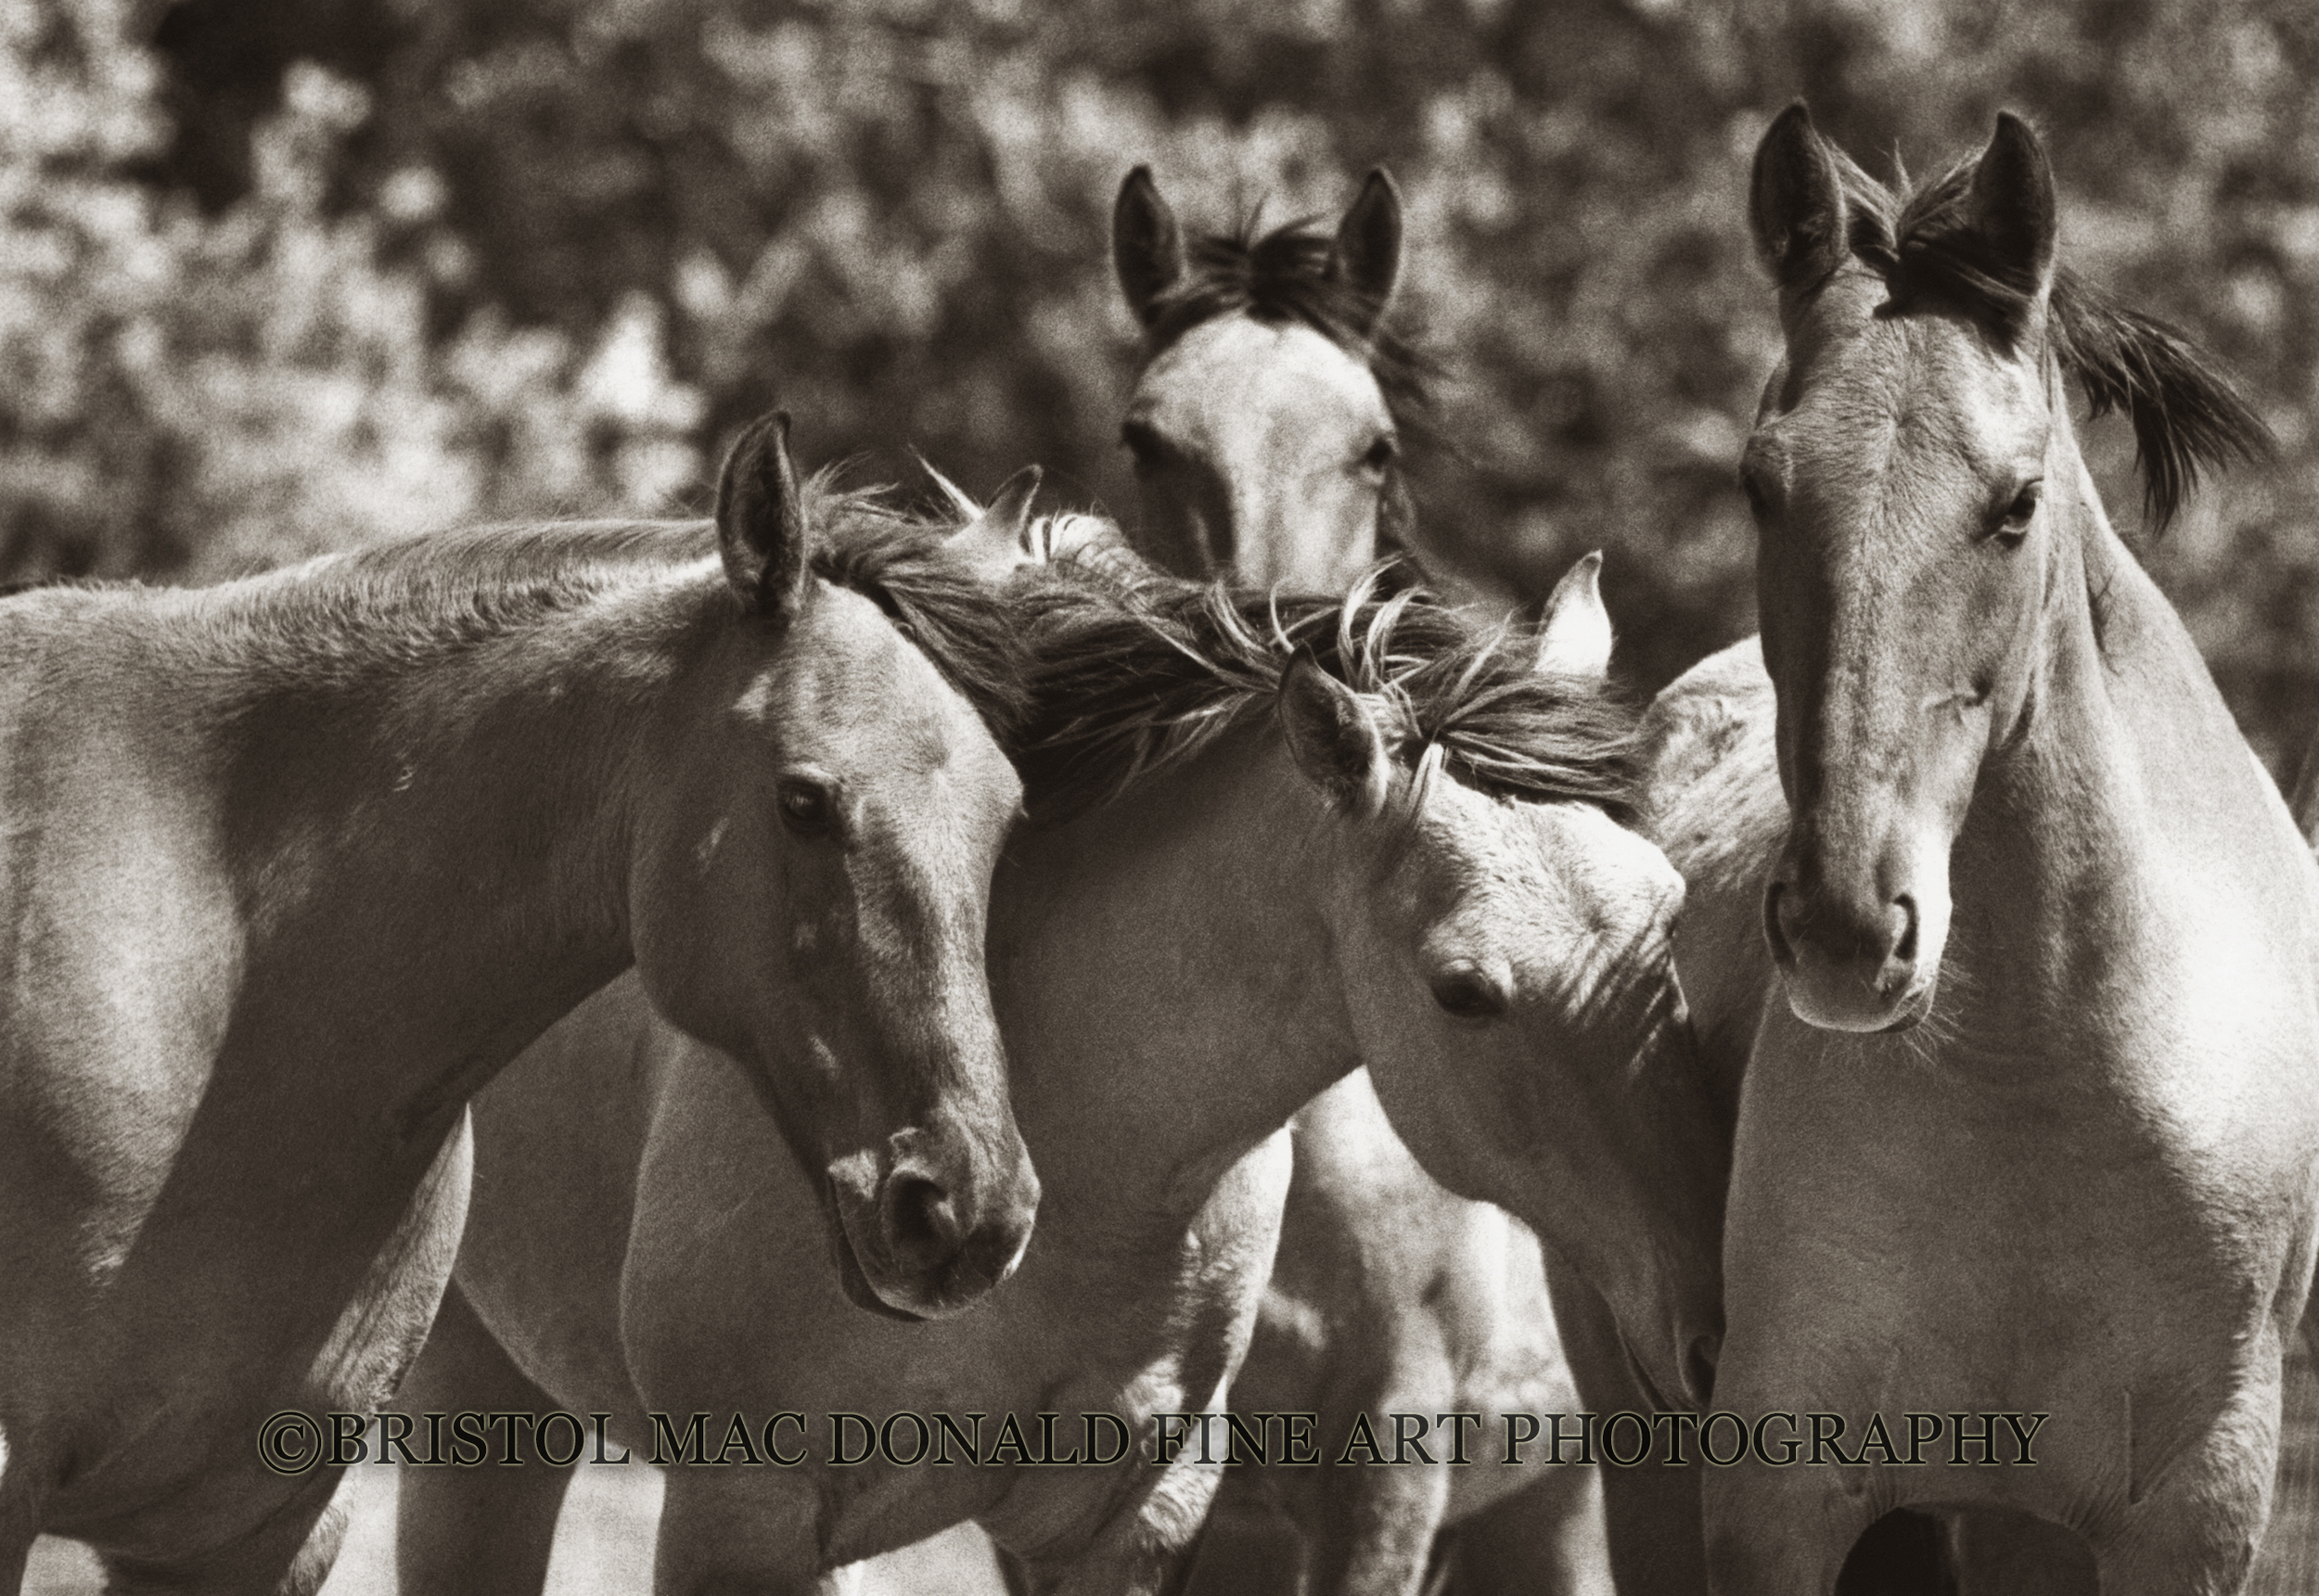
(840,958)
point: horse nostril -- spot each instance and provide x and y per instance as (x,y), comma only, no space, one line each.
(921,1222)
(1777,904)
(1905,943)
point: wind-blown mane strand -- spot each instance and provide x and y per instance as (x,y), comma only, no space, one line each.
(903,563)
(1130,679)
(2188,413)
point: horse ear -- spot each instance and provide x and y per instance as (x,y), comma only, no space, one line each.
(2010,208)
(1573,628)
(760,524)
(1147,251)
(1366,254)
(1091,540)
(1333,739)
(998,539)
(1796,202)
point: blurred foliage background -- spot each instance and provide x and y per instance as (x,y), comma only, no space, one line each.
(280,274)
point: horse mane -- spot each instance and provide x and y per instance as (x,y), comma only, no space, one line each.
(413,598)
(2188,412)
(902,563)
(2186,409)
(1132,675)
(1282,277)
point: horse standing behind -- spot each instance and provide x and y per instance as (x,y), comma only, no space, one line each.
(1268,415)
(2037,1126)
(1265,431)
(1515,1017)
(295,865)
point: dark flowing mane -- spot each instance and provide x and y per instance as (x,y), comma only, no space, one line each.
(900,562)
(415,597)
(2188,412)
(1282,277)
(1131,677)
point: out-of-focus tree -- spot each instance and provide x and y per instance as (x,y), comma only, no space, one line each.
(550,223)
(194,396)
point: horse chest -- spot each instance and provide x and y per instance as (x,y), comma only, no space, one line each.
(1911,1231)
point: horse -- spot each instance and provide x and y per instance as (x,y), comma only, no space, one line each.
(1390,1294)
(1266,375)
(1267,416)
(297,864)
(1425,878)
(2032,1126)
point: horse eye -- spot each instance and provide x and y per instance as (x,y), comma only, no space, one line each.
(806,807)
(1380,453)
(1146,445)
(2015,524)
(1469,993)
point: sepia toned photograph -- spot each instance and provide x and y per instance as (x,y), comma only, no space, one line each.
(1250,798)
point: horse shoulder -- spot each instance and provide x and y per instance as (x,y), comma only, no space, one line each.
(121,932)
(2211,899)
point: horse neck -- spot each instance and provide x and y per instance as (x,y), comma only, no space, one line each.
(2127,740)
(436,847)
(1166,978)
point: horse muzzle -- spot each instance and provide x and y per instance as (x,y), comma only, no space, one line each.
(1852,962)
(923,1241)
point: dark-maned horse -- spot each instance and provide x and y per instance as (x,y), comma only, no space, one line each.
(2036,1128)
(1265,427)
(294,866)
(1257,875)
(1267,419)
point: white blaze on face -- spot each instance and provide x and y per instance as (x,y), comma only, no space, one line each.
(1267,439)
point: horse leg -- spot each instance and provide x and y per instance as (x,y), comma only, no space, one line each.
(1546,1539)
(2185,1548)
(2201,1514)
(1375,1524)
(20,1509)
(1145,1549)
(2196,1535)
(1781,1531)
(1651,1514)
(1377,1528)
(1247,1547)
(1144,1570)
(2311,1303)
(486,1529)
(725,1532)
(288,1552)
